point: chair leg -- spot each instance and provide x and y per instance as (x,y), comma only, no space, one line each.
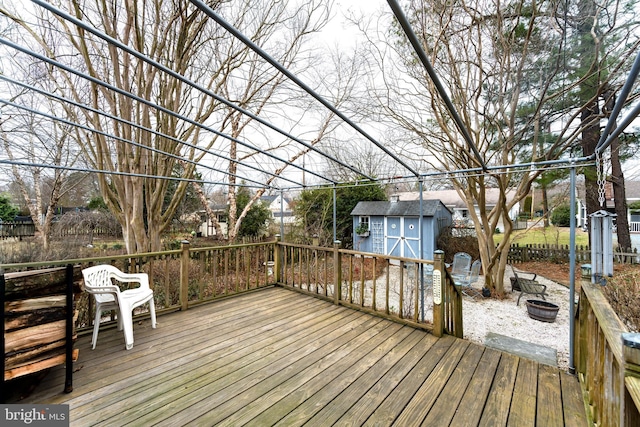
(127,323)
(521,293)
(96,327)
(152,312)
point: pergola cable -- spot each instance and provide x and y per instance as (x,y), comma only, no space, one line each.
(151,104)
(109,172)
(119,138)
(185,80)
(264,55)
(155,132)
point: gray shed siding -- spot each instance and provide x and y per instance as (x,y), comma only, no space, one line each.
(394,227)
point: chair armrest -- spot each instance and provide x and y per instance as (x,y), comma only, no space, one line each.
(104,289)
(531,274)
(142,278)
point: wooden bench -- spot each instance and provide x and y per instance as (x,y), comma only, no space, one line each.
(527,286)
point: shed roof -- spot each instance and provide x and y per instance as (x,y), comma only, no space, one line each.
(399,208)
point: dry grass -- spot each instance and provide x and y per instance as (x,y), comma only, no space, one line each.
(623,293)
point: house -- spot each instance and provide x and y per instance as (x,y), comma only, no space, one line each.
(393,227)
(280,207)
(460,211)
(207,228)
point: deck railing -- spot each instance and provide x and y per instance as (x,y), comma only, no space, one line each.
(180,278)
(394,287)
(611,384)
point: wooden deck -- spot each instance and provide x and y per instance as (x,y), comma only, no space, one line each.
(277,357)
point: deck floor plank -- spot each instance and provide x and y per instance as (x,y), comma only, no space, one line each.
(496,411)
(549,413)
(275,356)
(258,398)
(425,397)
(123,387)
(444,408)
(388,410)
(281,409)
(354,392)
(476,395)
(572,403)
(223,372)
(361,410)
(268,376)
(523,406)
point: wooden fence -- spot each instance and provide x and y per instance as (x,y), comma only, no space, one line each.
(559,253)
(11,230)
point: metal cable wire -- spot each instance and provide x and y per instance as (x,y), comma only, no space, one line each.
(118,138)
(149,103)
(155,132)
(185,80)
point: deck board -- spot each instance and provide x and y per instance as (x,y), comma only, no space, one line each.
(276,357)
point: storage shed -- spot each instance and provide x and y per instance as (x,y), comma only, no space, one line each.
(393,227)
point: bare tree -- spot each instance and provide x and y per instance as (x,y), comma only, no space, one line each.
(30,142)
(505,69)
(181,38)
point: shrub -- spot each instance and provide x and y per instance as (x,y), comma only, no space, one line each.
(561,216)
(451,244)
(623,293)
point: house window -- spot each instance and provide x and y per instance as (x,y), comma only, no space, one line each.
(465,213)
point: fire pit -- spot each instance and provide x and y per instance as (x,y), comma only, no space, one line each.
(542,310)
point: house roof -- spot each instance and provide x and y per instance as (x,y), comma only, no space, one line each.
(399,208)
(451,198)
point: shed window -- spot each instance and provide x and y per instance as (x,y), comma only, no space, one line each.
(364,221)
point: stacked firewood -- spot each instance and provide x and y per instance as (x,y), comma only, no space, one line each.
(35,313)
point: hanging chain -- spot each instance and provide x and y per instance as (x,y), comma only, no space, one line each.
(599,168)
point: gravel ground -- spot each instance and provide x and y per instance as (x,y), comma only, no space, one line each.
(481,316)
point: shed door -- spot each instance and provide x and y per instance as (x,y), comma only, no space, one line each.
(394,234)
(402,237)
(411,241)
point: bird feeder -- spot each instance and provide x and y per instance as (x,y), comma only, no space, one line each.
(601,245)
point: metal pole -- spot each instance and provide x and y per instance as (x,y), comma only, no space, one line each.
(282,213)
(5,394)
(421,252)
(572,269)
(68,382)
(334,214)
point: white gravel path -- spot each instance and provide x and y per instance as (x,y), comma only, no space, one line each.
(504,317)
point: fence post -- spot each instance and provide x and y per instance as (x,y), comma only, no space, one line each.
(184,275)
(277,259)
(439,291)
(337,268)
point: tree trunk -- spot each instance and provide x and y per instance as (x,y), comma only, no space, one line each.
(619,197)
(590,136)
(617,182)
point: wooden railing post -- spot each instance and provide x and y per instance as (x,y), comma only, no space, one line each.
(337,268)
(277,259)
(439,292)
(184,275)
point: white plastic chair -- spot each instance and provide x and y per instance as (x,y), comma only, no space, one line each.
(461,267)
(108,296)
(466,282)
